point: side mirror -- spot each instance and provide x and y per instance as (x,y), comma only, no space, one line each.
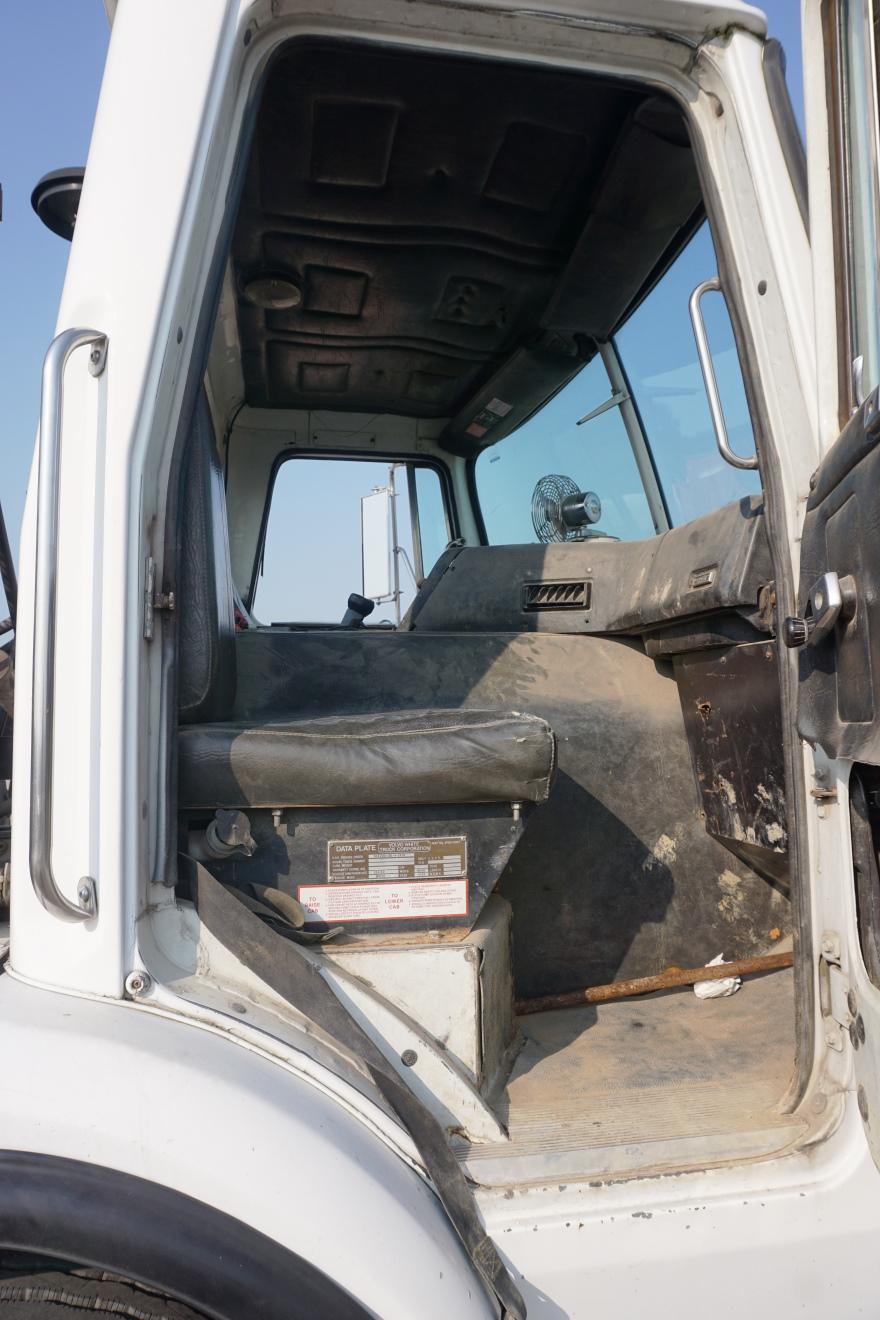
(56,199)
(377,544)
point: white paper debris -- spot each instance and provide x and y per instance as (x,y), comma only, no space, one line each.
(717,989)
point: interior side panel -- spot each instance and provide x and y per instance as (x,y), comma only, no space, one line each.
(616,875)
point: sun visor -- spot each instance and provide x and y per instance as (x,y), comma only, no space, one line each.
(526,381)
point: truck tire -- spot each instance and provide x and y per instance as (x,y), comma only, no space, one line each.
(56,1295)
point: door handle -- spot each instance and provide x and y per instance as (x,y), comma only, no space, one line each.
(831,598)
(45,592)
(704,356)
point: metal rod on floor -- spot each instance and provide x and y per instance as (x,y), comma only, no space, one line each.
(644,985)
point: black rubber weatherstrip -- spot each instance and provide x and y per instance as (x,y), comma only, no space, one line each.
(291,974)
(88,1215)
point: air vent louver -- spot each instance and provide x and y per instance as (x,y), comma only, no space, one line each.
(557,595)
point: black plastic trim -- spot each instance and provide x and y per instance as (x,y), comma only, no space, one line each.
(474,494)
(55,199)
(164,869)
(88,1215)
(786,124)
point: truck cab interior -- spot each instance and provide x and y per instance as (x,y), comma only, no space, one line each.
(555,741)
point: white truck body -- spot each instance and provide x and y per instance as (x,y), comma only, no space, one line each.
(135,1044)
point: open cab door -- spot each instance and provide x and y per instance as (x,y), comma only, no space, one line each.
(837,631)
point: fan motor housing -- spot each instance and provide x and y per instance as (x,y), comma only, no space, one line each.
(581,509)
(560,509)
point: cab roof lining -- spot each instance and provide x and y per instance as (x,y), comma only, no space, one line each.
(460,232)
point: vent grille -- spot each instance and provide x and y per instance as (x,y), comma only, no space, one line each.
(557,595)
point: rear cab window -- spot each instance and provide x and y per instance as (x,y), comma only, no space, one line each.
(312,554)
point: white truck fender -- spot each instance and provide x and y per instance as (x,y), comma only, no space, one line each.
(184,1106)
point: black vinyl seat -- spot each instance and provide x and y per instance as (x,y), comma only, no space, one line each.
(397,758)
(428,792)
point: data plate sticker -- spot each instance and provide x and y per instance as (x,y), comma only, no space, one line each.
(387,901)
(359,860)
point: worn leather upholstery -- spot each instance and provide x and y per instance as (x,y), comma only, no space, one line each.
(385,759)
(204,585)
(389,759)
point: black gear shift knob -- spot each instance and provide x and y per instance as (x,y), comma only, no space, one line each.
(358,609)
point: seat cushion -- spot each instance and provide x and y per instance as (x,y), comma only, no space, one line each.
(398,758)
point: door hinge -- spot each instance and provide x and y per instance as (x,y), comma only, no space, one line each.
(836,999)
(153,600)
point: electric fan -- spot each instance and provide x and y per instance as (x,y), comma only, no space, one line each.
(562,512)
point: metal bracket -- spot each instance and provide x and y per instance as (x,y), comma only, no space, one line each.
(834,992)
(153,600)
(617,398)
(98,356)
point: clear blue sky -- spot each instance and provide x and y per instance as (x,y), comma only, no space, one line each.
(52,58)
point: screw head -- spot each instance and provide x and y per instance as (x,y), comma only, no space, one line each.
(408,1058)
(863,1104)
(138,984)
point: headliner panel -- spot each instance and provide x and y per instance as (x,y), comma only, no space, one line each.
(436,213)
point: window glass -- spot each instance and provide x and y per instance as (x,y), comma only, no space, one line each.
(434,529)
(312,559)
(860,118)
(659,355)
(597,456)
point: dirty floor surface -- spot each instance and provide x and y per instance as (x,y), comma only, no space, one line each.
(661,1081)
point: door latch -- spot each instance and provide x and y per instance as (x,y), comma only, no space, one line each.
(831,599)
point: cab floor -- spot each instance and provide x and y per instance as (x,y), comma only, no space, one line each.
(659,1082)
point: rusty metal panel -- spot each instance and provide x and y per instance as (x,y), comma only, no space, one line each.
(730,702)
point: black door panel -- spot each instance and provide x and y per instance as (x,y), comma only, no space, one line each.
(837,710)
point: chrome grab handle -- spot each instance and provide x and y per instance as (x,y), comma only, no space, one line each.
(705,359)
(45,592)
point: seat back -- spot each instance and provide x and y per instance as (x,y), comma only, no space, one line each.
(206,648)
